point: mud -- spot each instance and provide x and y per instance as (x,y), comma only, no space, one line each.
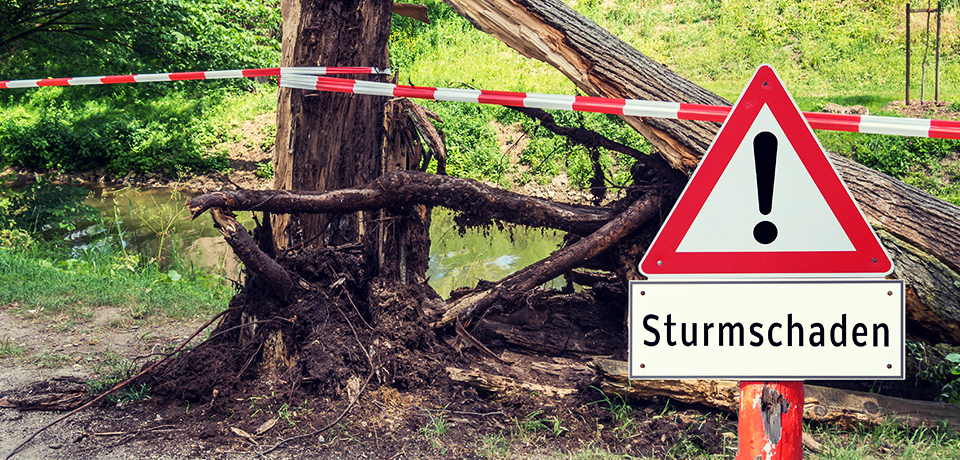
(354,369)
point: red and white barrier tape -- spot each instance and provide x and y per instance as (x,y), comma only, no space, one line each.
(918,127)
(308,78)
(179,76)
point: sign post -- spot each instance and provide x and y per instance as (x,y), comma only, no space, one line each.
(766,271)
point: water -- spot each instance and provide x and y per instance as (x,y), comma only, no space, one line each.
(155,223)
(482,253)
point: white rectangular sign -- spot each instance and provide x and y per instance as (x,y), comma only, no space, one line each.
(767,330)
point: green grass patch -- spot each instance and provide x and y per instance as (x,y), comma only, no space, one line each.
(51,282)
(10,349)
(888,440)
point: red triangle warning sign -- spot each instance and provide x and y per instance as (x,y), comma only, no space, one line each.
(765,201)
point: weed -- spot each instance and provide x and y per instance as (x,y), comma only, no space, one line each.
(939,367)
(111,370)
(621,413)
(130,394)
(10,349)
(290,413)
(532,423)
(265,169)
(436,428)
(494,446)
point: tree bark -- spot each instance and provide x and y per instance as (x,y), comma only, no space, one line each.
(328,141)
(401,188)
(845,409)
(602,65)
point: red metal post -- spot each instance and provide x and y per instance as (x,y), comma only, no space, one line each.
(771,421)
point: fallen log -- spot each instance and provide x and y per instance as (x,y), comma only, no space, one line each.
(493,383)
(845,409)
(399,188)
(601,64)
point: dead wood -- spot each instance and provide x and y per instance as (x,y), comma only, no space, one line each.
(561,261)
(399,188)
(601,64)
(412,10)
(846,409)
(502,384)
(68,400)
(253,258)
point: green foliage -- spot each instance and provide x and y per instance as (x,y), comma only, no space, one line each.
(13,238)
(44,38)
(937,367)
(43,207)
(168,134)
(548,154)
(472,149)
(265,169)
(929,164)
(161,128)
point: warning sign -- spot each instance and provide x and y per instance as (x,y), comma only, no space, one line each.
(765,201)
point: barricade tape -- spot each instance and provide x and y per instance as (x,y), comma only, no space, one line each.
(310,78)
(180,76)
(871,124)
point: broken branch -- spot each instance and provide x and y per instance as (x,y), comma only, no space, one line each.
(253,258)
(559,262)
(405,187)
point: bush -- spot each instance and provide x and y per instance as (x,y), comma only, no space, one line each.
(44,208)
(165,135)
(472,149)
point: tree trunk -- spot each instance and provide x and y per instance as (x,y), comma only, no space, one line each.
(922,233)
(328,141)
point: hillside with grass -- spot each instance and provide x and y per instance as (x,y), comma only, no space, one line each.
(841,52)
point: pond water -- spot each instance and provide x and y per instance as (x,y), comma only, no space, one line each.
(155,223)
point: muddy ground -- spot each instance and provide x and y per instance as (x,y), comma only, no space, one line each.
(417,412)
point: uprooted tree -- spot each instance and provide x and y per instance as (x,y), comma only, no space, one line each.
(335,298)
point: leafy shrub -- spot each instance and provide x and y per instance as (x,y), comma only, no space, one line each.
(943,370)
(44,207)
(472,149)
(170,134)
(15,238)
(925,163)
(265,169)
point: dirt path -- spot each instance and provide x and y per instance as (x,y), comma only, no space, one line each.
(56,357)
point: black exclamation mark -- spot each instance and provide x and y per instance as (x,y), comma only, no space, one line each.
(765,160)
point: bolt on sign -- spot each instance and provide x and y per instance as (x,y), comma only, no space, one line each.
(766,268)
(767,272)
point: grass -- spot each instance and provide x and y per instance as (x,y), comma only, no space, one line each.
(436,428)
(846,52)
(51,283)
(10,349)
(888,440)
